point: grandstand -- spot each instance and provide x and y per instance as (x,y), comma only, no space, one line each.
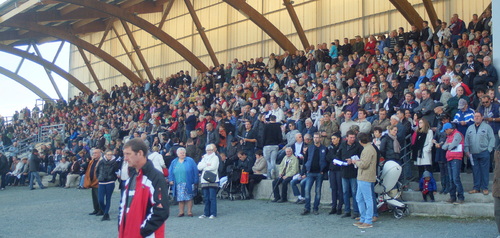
(167,68)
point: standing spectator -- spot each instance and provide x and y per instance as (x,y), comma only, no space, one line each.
(272,138)
(479,142)
(145,201)
(350,148)
(184,177)
(210,163)
(335,176)
(440,155)
(315,166)
(248,140)
(34,165)
(454,153)
(496,192)
(106,175)
(4,169)
(423,146)
(367,168)
(92,182)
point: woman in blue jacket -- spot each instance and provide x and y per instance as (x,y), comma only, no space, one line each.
(183,175)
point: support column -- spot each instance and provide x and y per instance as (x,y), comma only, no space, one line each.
(201,31)
(296,23)
(431,11)
(495,18)
(89,66)
(137,50)
(129,54)
(49,74)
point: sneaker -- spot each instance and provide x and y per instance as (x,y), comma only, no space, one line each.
(305,212)
(302,201)
(374,219)
(339,211)
(459,202)
(275,200)
(486,192)
(202,216)
(358,224)
(316,212)
(365,225)
(333,211)
(211,217)
(451,200)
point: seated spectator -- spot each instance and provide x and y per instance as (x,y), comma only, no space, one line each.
(73,173)
(62,170)
(287,169)
(259,172)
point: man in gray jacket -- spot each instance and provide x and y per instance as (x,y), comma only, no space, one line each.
(479,142)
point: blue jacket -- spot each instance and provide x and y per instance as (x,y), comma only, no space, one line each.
(191,174)
(322,157)
(432,184)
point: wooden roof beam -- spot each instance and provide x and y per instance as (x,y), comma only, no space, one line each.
(408,12)
(138,51)
(296,23)
(201,31)
(264,24)
(431,11)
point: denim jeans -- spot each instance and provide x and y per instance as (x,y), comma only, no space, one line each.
(310,179)
(270,153)
(210,201)
(33,176)
(349,187)
(295,189)
(364,197)
(456,189)
(375,209)
(104,192)
(481,169)
(335,178)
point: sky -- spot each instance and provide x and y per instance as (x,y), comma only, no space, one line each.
(14,96)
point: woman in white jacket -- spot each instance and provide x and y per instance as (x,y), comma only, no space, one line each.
(424,143)
(157,159)
(209,162)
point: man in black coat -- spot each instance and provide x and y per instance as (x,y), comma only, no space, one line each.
(348,150)
(4,169)
(34,164)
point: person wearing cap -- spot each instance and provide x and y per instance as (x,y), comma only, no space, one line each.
(479,142)
(440,138)
(464,116)
(454,147)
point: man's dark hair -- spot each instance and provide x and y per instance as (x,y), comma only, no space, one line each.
(272,118)
(242,152)
(379,129)
(350,132)
(136,145)
(259,152)
(364,138)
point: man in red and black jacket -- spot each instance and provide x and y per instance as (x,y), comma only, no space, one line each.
(144,204)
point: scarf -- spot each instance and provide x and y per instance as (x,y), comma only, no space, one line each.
(397,147)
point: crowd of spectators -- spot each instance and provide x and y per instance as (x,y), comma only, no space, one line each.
(383,86)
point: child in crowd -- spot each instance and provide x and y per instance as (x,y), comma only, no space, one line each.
(428,186)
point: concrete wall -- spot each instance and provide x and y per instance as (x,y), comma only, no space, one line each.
(233,35)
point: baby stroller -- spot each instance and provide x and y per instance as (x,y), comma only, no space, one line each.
(389,190)
(233,189)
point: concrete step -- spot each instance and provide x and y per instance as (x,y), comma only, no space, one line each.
(416,196)
(446,209)
(468,185)
(463,176)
